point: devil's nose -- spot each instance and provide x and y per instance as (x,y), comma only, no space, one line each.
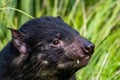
(88,47)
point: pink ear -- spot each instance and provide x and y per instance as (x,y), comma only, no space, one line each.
(17,37)
(16,33)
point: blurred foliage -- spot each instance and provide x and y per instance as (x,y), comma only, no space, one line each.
(98,20)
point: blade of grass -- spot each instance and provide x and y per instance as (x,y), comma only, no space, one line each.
(10,8)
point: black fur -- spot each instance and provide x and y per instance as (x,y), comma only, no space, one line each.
(44,49)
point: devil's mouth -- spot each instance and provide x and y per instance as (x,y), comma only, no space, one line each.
(79,59)
(77,63)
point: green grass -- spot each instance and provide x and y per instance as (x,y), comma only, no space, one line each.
(97,20)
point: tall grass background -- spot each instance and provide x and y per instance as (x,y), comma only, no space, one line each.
(97,20)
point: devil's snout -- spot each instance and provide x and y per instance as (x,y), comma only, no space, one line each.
(88,47)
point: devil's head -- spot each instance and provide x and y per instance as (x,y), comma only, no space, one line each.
(51,46)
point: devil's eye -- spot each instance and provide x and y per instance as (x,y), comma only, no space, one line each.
(55,42)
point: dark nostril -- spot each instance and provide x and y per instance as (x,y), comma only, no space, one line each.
(88,47)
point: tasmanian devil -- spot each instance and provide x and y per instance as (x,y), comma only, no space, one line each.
(45,48)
